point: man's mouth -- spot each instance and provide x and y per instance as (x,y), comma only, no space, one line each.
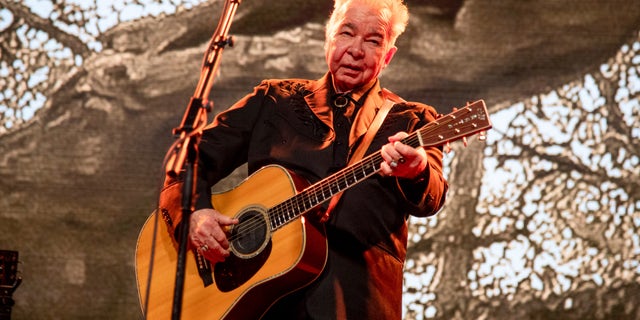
(354,68)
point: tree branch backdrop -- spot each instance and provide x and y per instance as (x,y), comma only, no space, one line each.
(541,220)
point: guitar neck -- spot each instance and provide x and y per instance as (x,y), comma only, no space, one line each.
(324,190)
(467,121)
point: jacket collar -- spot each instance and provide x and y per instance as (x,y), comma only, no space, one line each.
(367,112)
(318,102)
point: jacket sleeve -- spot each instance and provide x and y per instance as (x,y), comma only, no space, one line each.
(427,192)
(221,149)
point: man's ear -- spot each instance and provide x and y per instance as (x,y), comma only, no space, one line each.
(389,55)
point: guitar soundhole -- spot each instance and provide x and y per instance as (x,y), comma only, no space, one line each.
(251,234)
(250,246)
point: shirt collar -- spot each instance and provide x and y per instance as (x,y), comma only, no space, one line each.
(359,94)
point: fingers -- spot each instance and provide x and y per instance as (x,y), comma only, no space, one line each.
(392,155)
(392,159)
(394,150)
(207,233)
(225,220)
(400,159)
(398,136)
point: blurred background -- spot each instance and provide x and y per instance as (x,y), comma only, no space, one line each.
(542,219)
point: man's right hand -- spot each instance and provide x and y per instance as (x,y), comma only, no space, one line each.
(207,233)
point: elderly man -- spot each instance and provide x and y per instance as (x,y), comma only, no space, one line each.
(312,127)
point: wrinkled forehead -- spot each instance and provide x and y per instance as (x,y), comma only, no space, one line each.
(359,14)
(367,19)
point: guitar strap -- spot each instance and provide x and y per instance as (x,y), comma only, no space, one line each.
(391,99)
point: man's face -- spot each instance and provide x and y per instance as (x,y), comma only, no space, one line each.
(359,50)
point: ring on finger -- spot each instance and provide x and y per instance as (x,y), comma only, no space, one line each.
(204,247)
(401,160)
(393,164)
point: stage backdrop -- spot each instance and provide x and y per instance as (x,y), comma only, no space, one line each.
(541,222)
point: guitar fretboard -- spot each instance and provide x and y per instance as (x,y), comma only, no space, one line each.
(324,190)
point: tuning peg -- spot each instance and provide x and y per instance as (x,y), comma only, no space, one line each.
(447,147)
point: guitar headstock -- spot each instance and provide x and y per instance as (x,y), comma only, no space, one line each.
(466,121)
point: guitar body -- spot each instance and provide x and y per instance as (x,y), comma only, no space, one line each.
(263,267)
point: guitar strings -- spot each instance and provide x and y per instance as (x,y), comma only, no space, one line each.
(296,203)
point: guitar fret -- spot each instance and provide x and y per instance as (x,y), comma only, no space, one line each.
(370,168)
(352,179)
(326,193)
(300,206)
(273,211)
(293,206)
(366,169)
(344,182)
(278,218)
(290,208)
(283,217)
(286,216)
(271,223)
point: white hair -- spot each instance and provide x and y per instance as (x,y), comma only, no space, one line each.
(394,13)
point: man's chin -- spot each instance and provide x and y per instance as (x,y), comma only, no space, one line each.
(347,83)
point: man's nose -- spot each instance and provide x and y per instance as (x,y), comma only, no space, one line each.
(356,48)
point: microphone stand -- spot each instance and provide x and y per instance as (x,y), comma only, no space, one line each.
(184,157)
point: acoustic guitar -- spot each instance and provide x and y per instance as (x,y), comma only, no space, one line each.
(276,248)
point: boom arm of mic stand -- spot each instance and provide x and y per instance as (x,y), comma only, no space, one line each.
(198,103)
(184,157)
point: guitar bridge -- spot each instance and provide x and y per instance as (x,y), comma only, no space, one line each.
(204,269)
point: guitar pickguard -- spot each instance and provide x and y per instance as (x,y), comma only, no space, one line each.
(236,271)
(250,242)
